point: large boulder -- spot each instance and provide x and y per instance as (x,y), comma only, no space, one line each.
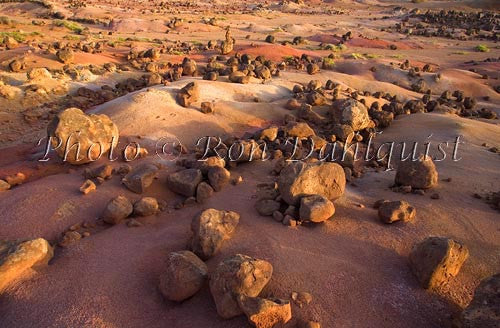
(316,208)
(19,258)
(351,112)
(140,178)
(210,229)
(265,313)
(484,309)
(235,276)
(436,259)
(302,179)
(94,134)
(185,274)
(184,182)
(419,174)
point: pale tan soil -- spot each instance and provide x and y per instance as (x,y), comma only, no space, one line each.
(355,267)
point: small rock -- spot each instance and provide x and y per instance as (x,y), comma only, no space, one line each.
(133,223)
(184,182)
(379,202)
(289,221)
(4,185)
(146,206)
(140,178)
(270,134)
(265,313)
(316,208)
(188,95)
(390,212)
(103,172)
(312,69)
(302,298)
(87,187)
(278,216)
(207,107)
(237,180)
(66,55)
(70,237)
(266,207)
(117,209)
(203,192)
(299,129)
(16,179)
(218,177)
(310,324)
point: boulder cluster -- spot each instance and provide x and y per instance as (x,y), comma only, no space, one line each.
(452,24)
(236,282)
(304,193)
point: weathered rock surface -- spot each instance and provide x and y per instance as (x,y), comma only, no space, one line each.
(66,56)
(302,179)
(389,212)
(87,187)
(210,229)
(436,259)
(350,112)
(299,129)
(95,134)
(18,258)
(235,276)
(189,94)
(265,313)
(185,274)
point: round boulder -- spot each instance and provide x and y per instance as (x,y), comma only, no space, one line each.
(185,274)
(302,179)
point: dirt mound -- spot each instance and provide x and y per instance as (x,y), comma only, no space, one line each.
(274,52)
